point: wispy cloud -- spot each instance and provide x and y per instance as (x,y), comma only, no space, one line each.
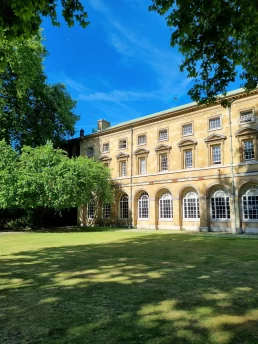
(116,96)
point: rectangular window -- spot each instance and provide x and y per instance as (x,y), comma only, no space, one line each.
(106,210)
(105,148)
(123,168)
(187,129)
(249,150)
(163,162)
(142,139)
(106,164)
(246,116)
(163,134)
(90,151)
(214,123)
(91,210)
(216,154)
(142,165)
(122,144)
(188,158)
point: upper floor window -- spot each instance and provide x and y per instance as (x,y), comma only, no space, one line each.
(246,116)
(122,168)
(122,144)
(187,129)
(90,151)
(248,150)
(142,139)
(163,162)
(215,123)
(142,165)
(163,134)
(188,158)
(216,154)
(105,148)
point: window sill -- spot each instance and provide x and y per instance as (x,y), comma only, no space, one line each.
(143,219)
(215,129)
(192,220)
(187,135)
(220,220)
(245,221)
(166,220)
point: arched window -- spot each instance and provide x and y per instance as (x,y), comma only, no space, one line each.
(220,209)
(250,203)
(91,210)
(191,205)
(166,206)
(143,206)
(124,207)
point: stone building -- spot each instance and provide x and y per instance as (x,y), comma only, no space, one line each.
(186,168)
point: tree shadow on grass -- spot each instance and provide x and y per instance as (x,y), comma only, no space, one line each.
(150,289)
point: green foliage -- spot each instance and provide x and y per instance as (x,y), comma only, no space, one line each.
(44,177)
(31,110)
(22,18)
(218,39)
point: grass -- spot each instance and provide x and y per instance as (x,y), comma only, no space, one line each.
(128,287)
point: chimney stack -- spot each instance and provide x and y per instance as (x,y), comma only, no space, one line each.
(103,124)
(81,133)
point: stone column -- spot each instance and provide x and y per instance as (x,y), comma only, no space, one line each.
(204,214)
(177,215)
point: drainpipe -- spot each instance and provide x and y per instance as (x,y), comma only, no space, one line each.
(233,189)
(131,179)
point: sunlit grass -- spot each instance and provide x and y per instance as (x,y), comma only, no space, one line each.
(128,287)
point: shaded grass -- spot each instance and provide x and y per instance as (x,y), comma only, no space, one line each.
(128,287)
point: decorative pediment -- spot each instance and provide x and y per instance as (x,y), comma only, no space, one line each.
(162,147)
(105,158)
(246,131)
(122,155)
(215,137)
(186,142)
(141,151)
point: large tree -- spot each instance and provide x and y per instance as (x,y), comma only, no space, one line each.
(22,18)
(32,111)
(45,178)
(219,42)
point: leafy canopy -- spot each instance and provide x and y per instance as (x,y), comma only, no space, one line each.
(22,18)
(218,39)
(32,111)
(44,177)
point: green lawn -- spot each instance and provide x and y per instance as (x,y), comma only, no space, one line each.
(128,287)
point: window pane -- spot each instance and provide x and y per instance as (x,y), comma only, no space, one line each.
(191,206)
(216,154)
(246,116)
(249,150)
(163,135)
(122,144)
(123,168)
(141,139)
(105,147)
(91,210)
(165,207)
(143,206)
(214,123)
(142,166)
(187,129)
(188,159)
(163,162)
(124,207)
(106,210)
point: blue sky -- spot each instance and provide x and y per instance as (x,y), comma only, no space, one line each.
(120,67)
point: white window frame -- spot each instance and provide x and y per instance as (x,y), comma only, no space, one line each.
(249,202)
(214,155)
(124,207)
(190,206)
(220,205)
(144,140)
(187,125)
(105,147)
(161,156)
(166,206)
(162,131)
(91,210)
(245,150)
(143,206)
(122,144)
(245,113)
(185,158)
(123,168)
(142,165)
(212,119)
